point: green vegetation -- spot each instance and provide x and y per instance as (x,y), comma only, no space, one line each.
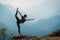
(4,35)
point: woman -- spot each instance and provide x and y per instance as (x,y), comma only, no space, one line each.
(22,20)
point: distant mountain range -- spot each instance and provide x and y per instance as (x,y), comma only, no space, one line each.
(7,18)
(40,28)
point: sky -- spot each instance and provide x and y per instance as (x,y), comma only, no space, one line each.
(21,3)
(37,9)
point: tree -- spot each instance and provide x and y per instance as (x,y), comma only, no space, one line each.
(2,32)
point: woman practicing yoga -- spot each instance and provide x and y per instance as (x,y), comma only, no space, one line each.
(22,20)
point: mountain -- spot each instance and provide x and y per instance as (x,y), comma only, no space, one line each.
(2,25)
(49,25)
(55,33)
(42,27)
(7,17)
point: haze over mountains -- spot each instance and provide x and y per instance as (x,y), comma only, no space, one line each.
(40,28)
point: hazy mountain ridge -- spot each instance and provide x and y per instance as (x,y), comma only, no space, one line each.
(7,17)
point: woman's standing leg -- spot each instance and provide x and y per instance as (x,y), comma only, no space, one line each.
(17,19)
(18,27)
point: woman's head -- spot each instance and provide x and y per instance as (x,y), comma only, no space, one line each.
(25,16)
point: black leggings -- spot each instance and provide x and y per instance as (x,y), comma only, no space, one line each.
(18,27)
(18,22)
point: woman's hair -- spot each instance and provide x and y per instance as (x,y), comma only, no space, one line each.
(25,15)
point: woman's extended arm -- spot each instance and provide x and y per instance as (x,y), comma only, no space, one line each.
(16,12)
(29,19)
(20,13)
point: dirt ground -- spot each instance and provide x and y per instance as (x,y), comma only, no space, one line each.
(35,38)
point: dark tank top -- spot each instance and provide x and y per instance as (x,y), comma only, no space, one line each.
(23,19)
